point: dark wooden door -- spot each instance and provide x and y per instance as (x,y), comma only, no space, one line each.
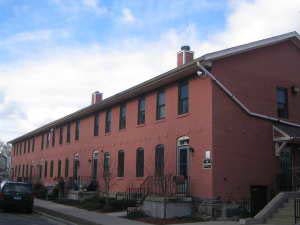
(258,198)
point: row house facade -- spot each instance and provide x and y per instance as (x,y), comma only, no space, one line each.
(227,121)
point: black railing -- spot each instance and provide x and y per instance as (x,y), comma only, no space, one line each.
(160,186)
(297,210)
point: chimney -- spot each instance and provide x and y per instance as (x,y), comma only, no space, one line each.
(185,55)
(96,97)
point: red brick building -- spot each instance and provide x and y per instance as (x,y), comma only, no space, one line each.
(227,121)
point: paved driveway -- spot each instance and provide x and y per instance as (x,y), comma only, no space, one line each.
(17,218)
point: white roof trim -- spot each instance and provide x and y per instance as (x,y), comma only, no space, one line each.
(250,46)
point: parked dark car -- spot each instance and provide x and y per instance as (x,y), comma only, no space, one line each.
(16,195)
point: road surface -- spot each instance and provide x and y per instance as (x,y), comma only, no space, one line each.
(18,218)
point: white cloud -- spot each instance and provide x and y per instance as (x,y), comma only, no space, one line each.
(59,81)
(75,7)
(127,16)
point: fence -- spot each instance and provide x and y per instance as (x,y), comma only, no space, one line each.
(297,210)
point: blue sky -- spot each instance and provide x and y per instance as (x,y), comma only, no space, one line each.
(55,53)
(80,22)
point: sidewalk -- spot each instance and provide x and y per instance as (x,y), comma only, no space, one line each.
(80,216)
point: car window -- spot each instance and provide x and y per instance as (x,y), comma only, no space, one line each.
(23,188)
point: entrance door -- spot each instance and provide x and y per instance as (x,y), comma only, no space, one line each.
(75,171)
(183,161)
(286,170)
(258,198)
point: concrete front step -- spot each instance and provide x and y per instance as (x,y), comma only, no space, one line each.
(281,221)
(284,215)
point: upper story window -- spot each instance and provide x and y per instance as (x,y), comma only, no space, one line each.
(33,144)
(160,105)
(183,97)
(61,131)
(122,120)
(53,137)
(24,147)
(96,124)
(28,145)
(42,141)
(108,121)
(68,132)
(141,111)
(282,102)
(140,162)
(77,125)
(48,139)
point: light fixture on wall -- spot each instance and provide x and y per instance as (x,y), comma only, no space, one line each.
(295,90)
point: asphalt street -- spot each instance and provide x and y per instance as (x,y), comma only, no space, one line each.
(18,218)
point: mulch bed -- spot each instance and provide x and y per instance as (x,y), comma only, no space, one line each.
(158,221)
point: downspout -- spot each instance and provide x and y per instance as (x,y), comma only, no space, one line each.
(239,103)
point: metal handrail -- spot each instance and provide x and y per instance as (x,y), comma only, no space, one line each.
(296,210)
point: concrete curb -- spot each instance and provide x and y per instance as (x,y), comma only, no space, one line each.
(73,219)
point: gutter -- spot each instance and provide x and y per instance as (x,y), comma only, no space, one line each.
(239,103)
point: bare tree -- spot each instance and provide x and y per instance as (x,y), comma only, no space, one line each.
(5,152)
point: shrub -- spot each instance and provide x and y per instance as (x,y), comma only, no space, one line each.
(39,190)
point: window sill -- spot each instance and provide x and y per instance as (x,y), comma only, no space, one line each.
(161,120)
(183,115)
(140,125)
(120,178)
(107,134)
(122,129)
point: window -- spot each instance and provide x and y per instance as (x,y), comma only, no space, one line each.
(140,162)
(61,131)
(53,137)
(122,120)
(40,169)
(95,165)
(183,97)
(106,164)
(42,141)
(77,125)
(23,170)
(24,146)
(141,111)
(51,168)
(59,168)
(160,105)
(48,139)
(68,133)
(159,160)
(27,171)
(46,169)
(31,171)
(33,144)
(121,159)
(28,145)
(282,102)
(67,167)
(96,124)
(108,121)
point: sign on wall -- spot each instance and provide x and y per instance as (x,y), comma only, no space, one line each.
(207,162)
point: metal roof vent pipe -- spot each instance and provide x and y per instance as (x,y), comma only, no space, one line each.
(185,55)
(96,97)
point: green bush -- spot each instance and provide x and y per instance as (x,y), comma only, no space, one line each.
(39,190)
